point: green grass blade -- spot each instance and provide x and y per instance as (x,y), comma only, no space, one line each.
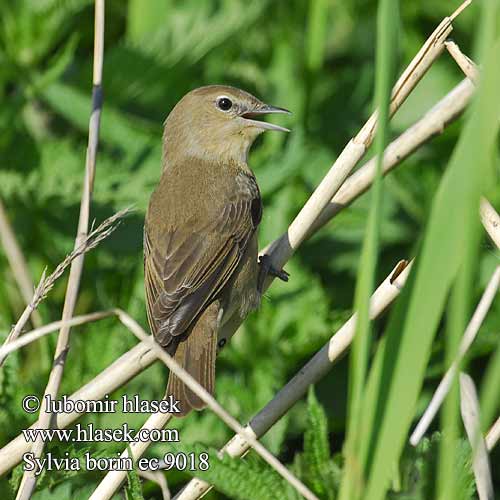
(386,53)
(316,33)
(405,357)
(490,396)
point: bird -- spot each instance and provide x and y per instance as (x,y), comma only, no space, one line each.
(201,268)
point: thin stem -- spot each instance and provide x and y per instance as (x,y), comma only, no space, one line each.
(29,479)
(38,333)
(469,406)
(466,65)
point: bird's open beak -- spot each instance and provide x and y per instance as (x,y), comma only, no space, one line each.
(264,110)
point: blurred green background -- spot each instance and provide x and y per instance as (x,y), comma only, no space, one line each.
(315,58)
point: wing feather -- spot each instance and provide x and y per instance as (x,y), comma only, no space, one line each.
(193,264)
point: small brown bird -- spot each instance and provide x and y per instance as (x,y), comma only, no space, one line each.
(200,233)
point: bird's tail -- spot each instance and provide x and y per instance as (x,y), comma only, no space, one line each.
(196,354)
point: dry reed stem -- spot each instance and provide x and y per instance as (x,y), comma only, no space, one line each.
(489,217)
(38,333)
(29,479)
(159,478)
(469,407)
(467,339)
(466,65)
(317,367)
(460,9)
(46,283)
(141,356)
(113,480)
(17,262)
(490,220)
(493,435)
(431,124)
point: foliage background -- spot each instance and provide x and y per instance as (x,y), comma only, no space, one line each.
(314,57)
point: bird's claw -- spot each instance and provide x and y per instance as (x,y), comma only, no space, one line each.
(266,268)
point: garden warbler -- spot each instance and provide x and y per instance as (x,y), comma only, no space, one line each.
(200,233)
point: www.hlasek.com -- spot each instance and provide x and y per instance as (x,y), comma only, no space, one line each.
(91,433)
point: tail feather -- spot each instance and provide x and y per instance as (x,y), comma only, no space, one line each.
(196,354)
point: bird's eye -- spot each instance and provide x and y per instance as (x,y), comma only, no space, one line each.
(224,103)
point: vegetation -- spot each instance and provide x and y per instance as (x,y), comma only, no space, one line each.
(316,58)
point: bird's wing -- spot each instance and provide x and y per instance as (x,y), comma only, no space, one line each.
(194,263)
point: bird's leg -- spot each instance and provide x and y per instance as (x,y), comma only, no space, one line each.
(267,268)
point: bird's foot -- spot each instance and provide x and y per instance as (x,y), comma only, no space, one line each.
(266,269)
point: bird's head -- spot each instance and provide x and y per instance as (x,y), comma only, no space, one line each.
(216,122)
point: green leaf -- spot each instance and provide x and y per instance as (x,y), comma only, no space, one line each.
(145,18)
(317,464)
(57,65)
(387,42)
(133,490)
(317,30)
(240,479)
(116,128)
(401,365)
(419,471)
